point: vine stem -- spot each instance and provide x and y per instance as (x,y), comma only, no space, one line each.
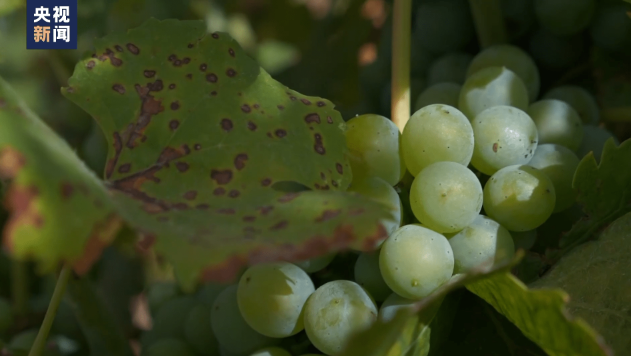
(19,287)
(58,293)
(489,22)
(401,34)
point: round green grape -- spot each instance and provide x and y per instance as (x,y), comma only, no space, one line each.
(374,145)
(170,347)
(504,136)
(319,263)
(559,164)
(446,197)
(414,261)
(368,275)
(520,198)
(271,297)
(392,305)
(335,312)
(557,122)
(524,239)
(377,189)
(232,332)
(449,68)
(513,58)
(437,133)
(441,93)
(199,333)
(578,98)
(481,245)
(160,293)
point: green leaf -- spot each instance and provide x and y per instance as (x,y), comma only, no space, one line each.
(408,333)
(541,315)
(603,190)
(596,277)
(198,137)
(8,6)
(59,210)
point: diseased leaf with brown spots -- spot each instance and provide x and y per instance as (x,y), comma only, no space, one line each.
(59,210)
(199,135)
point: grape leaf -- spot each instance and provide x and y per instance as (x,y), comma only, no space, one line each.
(59,210)
(603,190)
(596,277)
(198,136)
(408,333)
(541,315)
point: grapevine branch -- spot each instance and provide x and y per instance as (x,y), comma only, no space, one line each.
(401,30)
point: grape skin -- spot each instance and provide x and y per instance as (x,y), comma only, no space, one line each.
(594,139)
(557,122)
(373,142)
(513,58)
(317,264)
(271,297)
(559,164)
(489,87)
(368,275)
(519,197)
(377,189)
(578,98)
(392,305)
(436,133)
(232,332)
(446,197)
(335,312)
(199,333)
(441,93)
(449,68)
(414,261)
(504,136)
(482,244)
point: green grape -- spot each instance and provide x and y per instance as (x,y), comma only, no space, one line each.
(199,333)
(392,305)
(169,347)
(368,275)
(319,263)
(481,245)
(492,86)
(513,58)
(446,197)
(578,98)
(170,320)
(556,52)
(524,239)
(6,316)
(441,93)
(519,16)
(559,164)
(594,139)
(436,133)
(442,26)
(564,17)
(271,351)
(520,198)
(504,136)
(557,122)
(161,292)
(449,68)
(335,312)
(373,142)
(611,28)
(231,329)
(209,292)
(382,192)
(271,297)
(414,261)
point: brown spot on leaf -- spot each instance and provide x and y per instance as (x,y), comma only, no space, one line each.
(251,126)
(318,147)
(171,86)
(102,235)
(221,176)
(182,166)
(339,168)
(246,108)
(305,101)
(149,73)
(186,60)
(264,210)
(495,147)
(203,67)
(119,88)
(226,124)
(292,98)
(190,195)
(11,161)
(189,76)
(156,86)
(149,107)
(320,103)
(219,191)
(175,105)
(231,51)
(249,218)
(234,193)
(174,124)
(288,197)
(280,225)
(124,168)
(90,64)
(239,161)
(177,63)
(227,211)
(133,48)
(328,215)
(356,212)
(66,190)
(313,117)
(109,54)
(118,48)
(266,182)
(213,93)
(329,120)
(280,133)
(197,147)
(334,183)
(215,35)
(211,77)
(22,203)
(118,147)
(280,107)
